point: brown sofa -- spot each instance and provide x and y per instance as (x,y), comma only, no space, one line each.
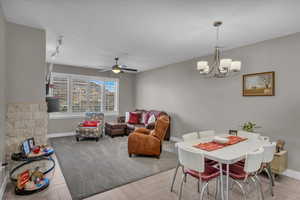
(131,127)
(149,142)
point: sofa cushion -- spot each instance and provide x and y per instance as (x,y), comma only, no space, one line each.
(134,118)
(135,126)
(143,117)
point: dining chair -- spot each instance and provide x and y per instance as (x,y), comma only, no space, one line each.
(268,155)
(248,134)
(185,137)
(263,138)
(241,175)
(206,134)
(194,166)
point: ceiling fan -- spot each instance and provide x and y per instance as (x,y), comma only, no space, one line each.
(117,68)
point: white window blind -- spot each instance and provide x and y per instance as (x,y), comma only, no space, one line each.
(110,96)
(95,95)
(60,90)
(79,94)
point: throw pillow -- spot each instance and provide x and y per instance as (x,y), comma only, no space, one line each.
(127,115)
(151,119)
(134,118)
(90,123)
(148,114)
(143,117)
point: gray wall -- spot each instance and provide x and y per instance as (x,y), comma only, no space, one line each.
(25,64)
(126,96)
(196,103)
(2,88)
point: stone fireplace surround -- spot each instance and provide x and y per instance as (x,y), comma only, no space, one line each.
(25,120)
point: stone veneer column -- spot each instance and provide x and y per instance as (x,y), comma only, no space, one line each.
(25,120)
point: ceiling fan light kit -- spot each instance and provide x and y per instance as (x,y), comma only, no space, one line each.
(220,68)
(117,68)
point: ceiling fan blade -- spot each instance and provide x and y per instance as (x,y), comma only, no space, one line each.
(130,69)
(105,69)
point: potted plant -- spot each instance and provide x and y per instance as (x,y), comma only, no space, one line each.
(249,126)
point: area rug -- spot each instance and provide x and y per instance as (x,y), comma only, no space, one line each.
(91,167)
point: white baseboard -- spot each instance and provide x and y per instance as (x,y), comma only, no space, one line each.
(3,187)
(55,135)
(292,174)
(175,139)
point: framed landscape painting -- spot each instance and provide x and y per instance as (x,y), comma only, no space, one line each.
(259,84)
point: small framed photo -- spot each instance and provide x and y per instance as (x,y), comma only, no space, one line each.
(259,84)
(31,143)
(25,147)
(233,132)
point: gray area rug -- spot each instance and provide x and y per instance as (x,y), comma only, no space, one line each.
(91,167)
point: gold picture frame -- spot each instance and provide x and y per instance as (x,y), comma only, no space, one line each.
(259,84)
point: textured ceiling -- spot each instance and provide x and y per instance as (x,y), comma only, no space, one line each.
(152,32)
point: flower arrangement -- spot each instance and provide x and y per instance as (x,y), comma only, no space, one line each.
(250,126)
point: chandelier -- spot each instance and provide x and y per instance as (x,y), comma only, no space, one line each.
(220,68)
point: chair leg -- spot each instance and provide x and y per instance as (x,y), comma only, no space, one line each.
(241,187)
(207,190)
(181,185)
(198,185)
(270,181)
(182,168)
(217,188)
(272,175)
(203,189)
(259,187)
(174,177)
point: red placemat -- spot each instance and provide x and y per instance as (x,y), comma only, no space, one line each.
(212,146)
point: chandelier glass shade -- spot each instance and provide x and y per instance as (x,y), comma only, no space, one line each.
(220,68)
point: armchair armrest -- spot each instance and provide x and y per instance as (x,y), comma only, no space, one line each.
(143,131)
(121,119)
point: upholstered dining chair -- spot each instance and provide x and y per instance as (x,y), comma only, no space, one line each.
(269,150)
(185,137)
(241,175)
(195,167)
(189,137)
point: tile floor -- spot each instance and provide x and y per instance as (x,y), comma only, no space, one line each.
(157,187)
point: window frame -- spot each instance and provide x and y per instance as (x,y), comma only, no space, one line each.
(69,114)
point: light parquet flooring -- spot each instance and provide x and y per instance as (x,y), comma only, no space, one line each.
(157,187)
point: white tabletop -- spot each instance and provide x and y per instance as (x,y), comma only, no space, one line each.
(229,154)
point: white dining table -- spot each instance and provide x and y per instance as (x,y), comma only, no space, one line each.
(226,155)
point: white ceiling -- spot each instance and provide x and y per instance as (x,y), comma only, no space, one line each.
(152,32)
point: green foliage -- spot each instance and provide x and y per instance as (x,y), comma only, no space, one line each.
(249,126)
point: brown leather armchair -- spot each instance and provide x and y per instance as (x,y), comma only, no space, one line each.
(149,142)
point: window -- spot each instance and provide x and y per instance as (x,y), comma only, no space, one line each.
(60,90)
(110,95)
(79,94)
